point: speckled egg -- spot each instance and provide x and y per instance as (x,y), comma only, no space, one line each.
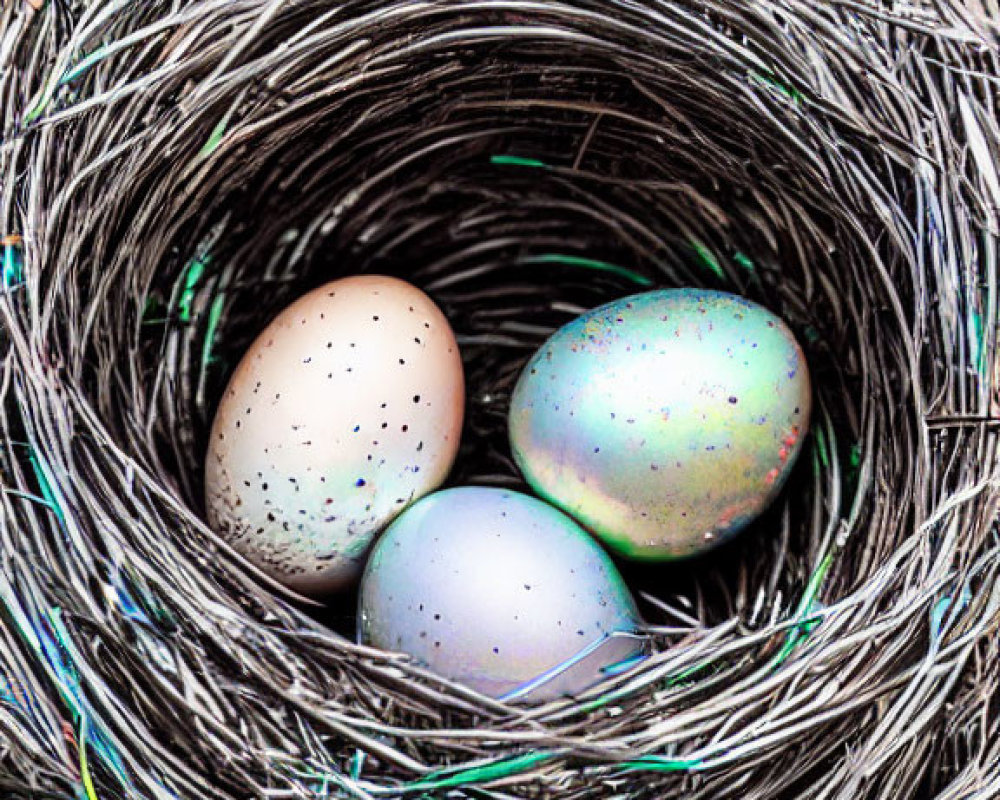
(664,422)
(501,592)
(347,408)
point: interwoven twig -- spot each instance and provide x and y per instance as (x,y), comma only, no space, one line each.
(173,173)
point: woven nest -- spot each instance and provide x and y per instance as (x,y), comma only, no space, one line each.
(173,173)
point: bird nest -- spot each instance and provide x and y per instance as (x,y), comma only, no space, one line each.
(173,173)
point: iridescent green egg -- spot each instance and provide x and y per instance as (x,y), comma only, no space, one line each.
(665,421)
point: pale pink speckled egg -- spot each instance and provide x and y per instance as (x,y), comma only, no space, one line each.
(345,410)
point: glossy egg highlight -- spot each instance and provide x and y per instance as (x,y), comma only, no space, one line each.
(501,592)
(346,409)
(664,422)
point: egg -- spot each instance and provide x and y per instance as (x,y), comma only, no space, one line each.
(501,592)
(347,408)
(664,422)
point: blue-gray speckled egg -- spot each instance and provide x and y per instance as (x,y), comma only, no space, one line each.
(501,592)
(665,421)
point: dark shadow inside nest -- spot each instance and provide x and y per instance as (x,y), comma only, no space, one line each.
(518,195)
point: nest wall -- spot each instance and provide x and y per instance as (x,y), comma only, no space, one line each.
(175,173)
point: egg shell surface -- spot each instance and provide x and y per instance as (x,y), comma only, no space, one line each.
(499,591)
(346,408)
(664,422)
